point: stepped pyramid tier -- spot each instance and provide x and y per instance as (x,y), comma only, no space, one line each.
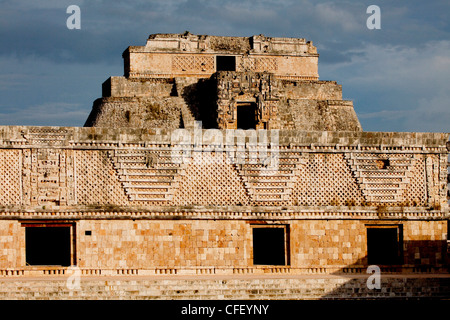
(222,156)
(253,82)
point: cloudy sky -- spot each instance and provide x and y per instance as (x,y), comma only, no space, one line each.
(398,76)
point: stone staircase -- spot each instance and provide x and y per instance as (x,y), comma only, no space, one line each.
(244,288)
(147,175)
(273,185)
(186,113)
(383,178)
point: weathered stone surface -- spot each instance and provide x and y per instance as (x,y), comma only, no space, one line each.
(163,181)
(276,74)
(314,287)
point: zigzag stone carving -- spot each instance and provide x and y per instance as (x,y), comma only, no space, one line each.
(382,177)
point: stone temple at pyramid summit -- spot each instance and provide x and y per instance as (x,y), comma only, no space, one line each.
(222,167)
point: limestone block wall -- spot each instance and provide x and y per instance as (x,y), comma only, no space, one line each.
(316,115)
(139,112)
(425,243)
(12,244)
(175,55)
(344,242)
(145,64)
(297,68)
(227,244)
(134,203)
(126,87)
(319,90)
(153,102)
(142,244)
(393,287)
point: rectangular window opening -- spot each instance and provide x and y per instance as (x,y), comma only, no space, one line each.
(271,245)
(48,244)
(225,63)
(246,115)
(384,244)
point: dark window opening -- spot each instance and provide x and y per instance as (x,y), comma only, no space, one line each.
(127,115)
(269,246)
(48,245)
(384,245)
(226,63)
(246,115)
(383,163)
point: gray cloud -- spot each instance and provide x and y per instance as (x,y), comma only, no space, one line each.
(403,88)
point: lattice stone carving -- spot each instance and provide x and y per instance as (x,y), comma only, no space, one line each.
(192,63)
(325,180)
(147,175)
(258,64)
(266,64)
(210,179)
(10,176)
(382,177)
(247,64)
(415,192)
(97,180)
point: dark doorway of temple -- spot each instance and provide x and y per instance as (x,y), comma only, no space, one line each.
(246,115)
(226,63)
(269,246)
(383,245)
(47,245)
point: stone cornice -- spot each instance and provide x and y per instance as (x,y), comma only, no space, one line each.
(316,141)
(234,213)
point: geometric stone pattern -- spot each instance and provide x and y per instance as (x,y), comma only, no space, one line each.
(48,177)
(415,193)
(258,64)
(382,177)
(131,203)
(192,63)
(211,180)
(146,175)
(97,181)
(10,175)
(153,176)
(268,186)
(266,64)
(326,180)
